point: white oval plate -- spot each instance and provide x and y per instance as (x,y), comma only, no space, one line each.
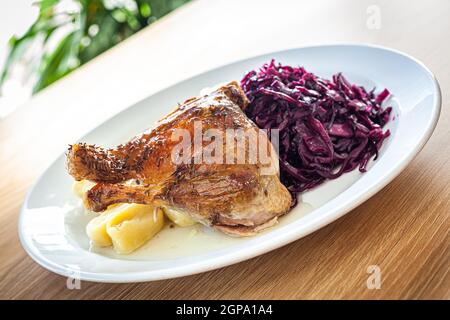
(52,221)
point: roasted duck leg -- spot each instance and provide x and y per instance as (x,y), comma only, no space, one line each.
(236,197)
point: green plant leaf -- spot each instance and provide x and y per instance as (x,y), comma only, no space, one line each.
(44,5)
(114,25)
(145,9)
(54,66)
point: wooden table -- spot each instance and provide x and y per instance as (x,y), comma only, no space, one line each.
(404,229)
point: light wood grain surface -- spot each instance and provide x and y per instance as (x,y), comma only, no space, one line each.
(404,229)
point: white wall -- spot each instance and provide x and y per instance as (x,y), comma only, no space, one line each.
(15,18)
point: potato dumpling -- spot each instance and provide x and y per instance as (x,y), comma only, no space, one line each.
(179,218)
(81,187)
(124,226)
(96,229)
(134,226)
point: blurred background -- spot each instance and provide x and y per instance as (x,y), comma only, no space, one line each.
(41,41)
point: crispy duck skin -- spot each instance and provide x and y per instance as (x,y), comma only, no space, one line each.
(237,199)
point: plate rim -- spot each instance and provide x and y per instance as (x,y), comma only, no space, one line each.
(233,258)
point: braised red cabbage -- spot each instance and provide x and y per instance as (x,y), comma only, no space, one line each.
(326,127)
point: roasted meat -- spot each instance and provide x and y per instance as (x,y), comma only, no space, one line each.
(234,196)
